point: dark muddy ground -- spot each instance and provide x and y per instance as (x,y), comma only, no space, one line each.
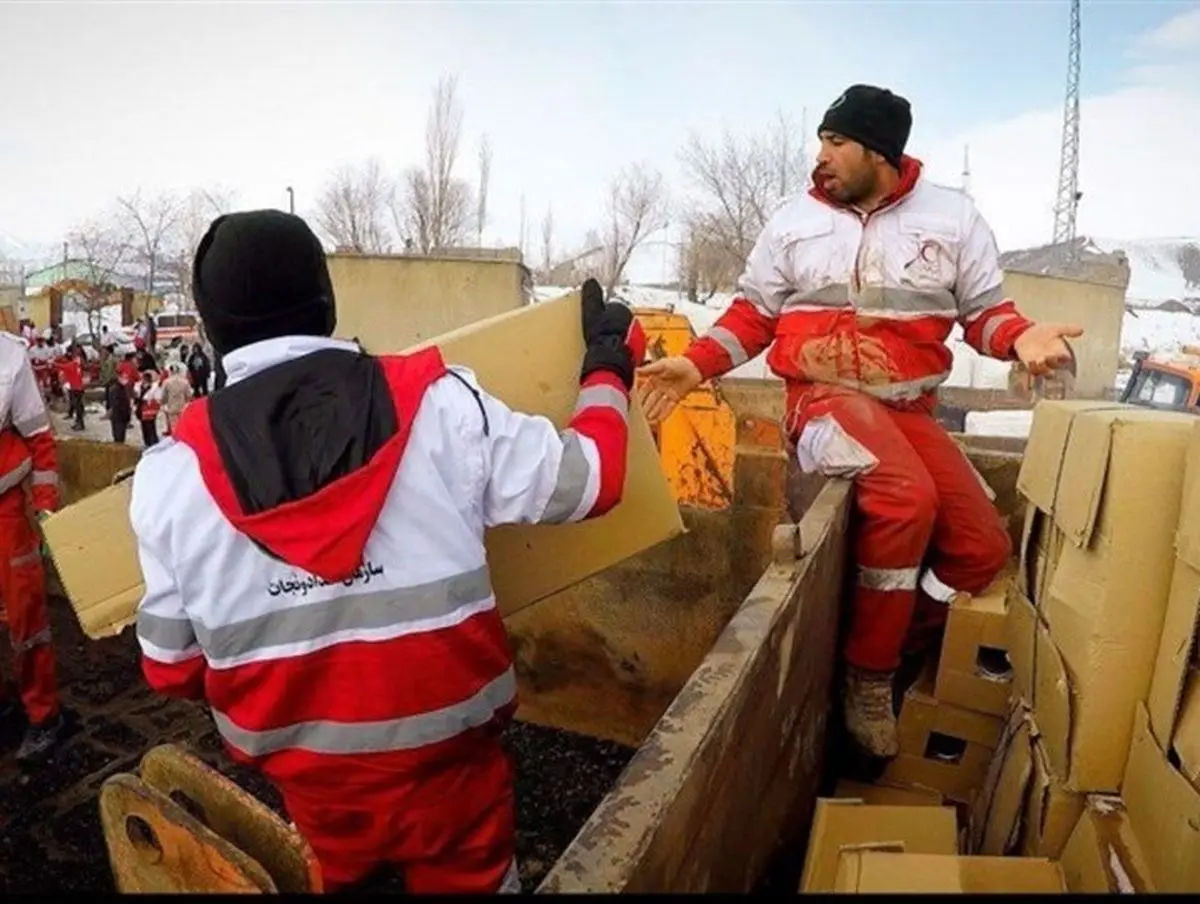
(50,837)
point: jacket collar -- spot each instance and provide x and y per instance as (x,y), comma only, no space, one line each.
(258,356)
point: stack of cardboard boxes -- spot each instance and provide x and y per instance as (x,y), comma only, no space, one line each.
(1063,718)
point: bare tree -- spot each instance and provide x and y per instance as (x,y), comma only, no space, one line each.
(352,208)
(433,207)
(548,241)
(637,207)
(735,185)
(199,208)
(485,177)
(105,252)
(150,222)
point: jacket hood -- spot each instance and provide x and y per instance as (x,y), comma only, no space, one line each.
(300,456)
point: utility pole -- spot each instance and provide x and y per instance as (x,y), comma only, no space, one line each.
(291,200)
(1067,202)
(966,173)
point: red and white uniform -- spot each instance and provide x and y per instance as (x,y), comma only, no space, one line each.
(856,310)
(28,472)
(362,660)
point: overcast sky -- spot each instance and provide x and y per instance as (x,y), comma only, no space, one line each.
(103,98)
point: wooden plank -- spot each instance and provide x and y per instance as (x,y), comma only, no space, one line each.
(735,761)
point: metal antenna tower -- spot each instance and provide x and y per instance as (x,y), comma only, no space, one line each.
(966,173)
(1067,202)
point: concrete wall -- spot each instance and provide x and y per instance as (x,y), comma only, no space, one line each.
(1099,309)
(390,302)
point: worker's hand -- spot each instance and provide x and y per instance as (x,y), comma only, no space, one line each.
(668,380)
(1042,348)
(615,340)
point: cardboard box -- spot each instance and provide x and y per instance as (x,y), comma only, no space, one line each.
(841,823)
(1185,740)
(529,359)
(875,872)
(881,795)
(1105,596)
(974,670)
(1177,645)
(1020,639)
(942,746)
(1023,807)
(1103,855)
(1164,812)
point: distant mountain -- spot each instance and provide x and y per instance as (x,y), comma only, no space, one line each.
(18,251)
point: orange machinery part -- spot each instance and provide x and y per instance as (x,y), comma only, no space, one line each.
(697,442)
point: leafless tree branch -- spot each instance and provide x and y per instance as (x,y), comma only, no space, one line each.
(432,209)
(352,209)
(638,205)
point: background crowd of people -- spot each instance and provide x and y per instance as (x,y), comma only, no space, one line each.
(140,379)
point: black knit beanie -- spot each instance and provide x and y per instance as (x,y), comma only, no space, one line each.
(261,274)
(874,117)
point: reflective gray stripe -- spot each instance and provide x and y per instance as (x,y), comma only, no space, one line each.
(511,883)
(729,342)
(903,391)
(32,425)
(571,483)
(28,559)
(602,396)
(362,612)
(15,476)
(888,578)
(37,640)
(748,293)
(973,307)
(175,634)
(876,298)
(989,329)
(405,733)
(45,478)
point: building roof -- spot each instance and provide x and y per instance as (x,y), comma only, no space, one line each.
(1080,260)
(77,271)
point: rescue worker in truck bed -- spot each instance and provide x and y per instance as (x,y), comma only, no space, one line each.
(312,542)
(858,283)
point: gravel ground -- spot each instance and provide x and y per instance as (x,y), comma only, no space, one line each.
(50,837)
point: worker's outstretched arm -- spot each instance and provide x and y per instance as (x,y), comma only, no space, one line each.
(32,421)
(748,325)
(990,320)
(536,473)
(172,660)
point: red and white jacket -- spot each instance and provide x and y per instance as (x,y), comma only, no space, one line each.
(27,447)
(384,652)
(867,301)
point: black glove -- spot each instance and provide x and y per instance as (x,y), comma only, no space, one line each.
(607,331)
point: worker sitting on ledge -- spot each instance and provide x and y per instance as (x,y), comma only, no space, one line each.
(311,537)
(856,285)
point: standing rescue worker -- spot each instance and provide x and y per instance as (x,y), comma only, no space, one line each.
(856,285)
(27,458)
(312,541)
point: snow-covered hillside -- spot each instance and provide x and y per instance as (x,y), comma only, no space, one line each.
(1155,274)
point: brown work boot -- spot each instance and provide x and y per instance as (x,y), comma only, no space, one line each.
(870,718)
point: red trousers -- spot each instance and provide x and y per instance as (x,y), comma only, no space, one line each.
(452,831)
(23,591)
(927,527)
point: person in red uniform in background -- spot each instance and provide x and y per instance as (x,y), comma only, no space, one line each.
(855,285)
(27,460)
(312,540)
(70,370)
(147,399)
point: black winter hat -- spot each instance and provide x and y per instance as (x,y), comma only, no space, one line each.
(259,274)
(874,117)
